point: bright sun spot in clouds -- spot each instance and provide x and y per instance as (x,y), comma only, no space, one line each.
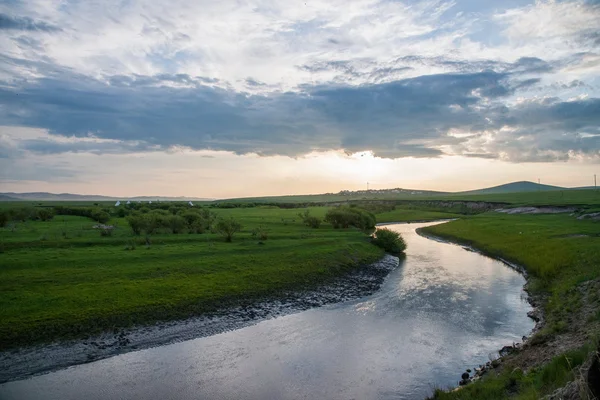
(358,167)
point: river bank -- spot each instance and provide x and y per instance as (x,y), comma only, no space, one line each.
(26,361)
(559,257)
(443,308)
(535,299)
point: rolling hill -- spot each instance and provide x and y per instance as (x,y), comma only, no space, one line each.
(514,187)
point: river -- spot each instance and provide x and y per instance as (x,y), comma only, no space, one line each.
(444,309)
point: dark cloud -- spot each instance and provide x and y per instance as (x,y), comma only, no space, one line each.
(8,22)
(372,71)
(408,117)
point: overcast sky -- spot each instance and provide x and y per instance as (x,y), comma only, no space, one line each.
(242,98)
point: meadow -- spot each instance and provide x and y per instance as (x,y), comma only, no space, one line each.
(61,278)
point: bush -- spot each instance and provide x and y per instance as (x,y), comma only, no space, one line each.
(100,215)
(309,220)
(45,214)
(176,223)
(3,219)
(137,223)
(227,228)
(389,240)
(345,217)
(21,214)
(260,233)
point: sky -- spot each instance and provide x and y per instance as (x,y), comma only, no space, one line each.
(224,98)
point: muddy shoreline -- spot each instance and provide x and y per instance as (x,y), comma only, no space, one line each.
(29,361)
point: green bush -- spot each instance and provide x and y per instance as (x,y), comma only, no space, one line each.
(309,220)
(45,214)
(3,219)
(227,228)
(260,233)
(100,216)
(389,240)
(137,223)
(345,217)
(176,223)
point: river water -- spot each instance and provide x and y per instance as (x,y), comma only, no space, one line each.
(444,309)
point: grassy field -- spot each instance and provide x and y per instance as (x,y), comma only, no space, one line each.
(560,253)
(556,197)
(62,279)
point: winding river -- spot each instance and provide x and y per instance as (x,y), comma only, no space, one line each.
(444,309)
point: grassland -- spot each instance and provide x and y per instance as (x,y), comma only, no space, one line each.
(583,197)
(60,278)
(561,255)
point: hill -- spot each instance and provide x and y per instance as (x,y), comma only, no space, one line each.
(514,187)
(4,197)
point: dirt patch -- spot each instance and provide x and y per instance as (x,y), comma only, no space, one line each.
(24,362)
(593,216)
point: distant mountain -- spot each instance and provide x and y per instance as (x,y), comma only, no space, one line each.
(44,196)
(514,187)
(4,197)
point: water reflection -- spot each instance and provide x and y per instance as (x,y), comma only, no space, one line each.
(444,309)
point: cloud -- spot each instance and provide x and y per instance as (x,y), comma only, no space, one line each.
(8,22)
(402,79)
(409,117)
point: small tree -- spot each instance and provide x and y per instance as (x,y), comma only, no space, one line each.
(389,240)
(137,223)
(227,228)
(208,218)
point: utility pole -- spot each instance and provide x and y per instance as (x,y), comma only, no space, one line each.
(367,186)
(595,181)
(538,184)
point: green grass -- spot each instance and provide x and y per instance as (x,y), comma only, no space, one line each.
(514,384)
(559,252)
(587,197)
(61,279)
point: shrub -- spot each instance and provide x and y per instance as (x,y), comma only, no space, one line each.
(21,214)
(345,217)
(389,240)
(260,233)
(45,214)
(176,223)
(309,220)
(3,219)
(100,216)
(227,228)
(208,218)
(137,223)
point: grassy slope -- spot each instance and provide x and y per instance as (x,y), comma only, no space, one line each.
(55,285)
(558,259)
